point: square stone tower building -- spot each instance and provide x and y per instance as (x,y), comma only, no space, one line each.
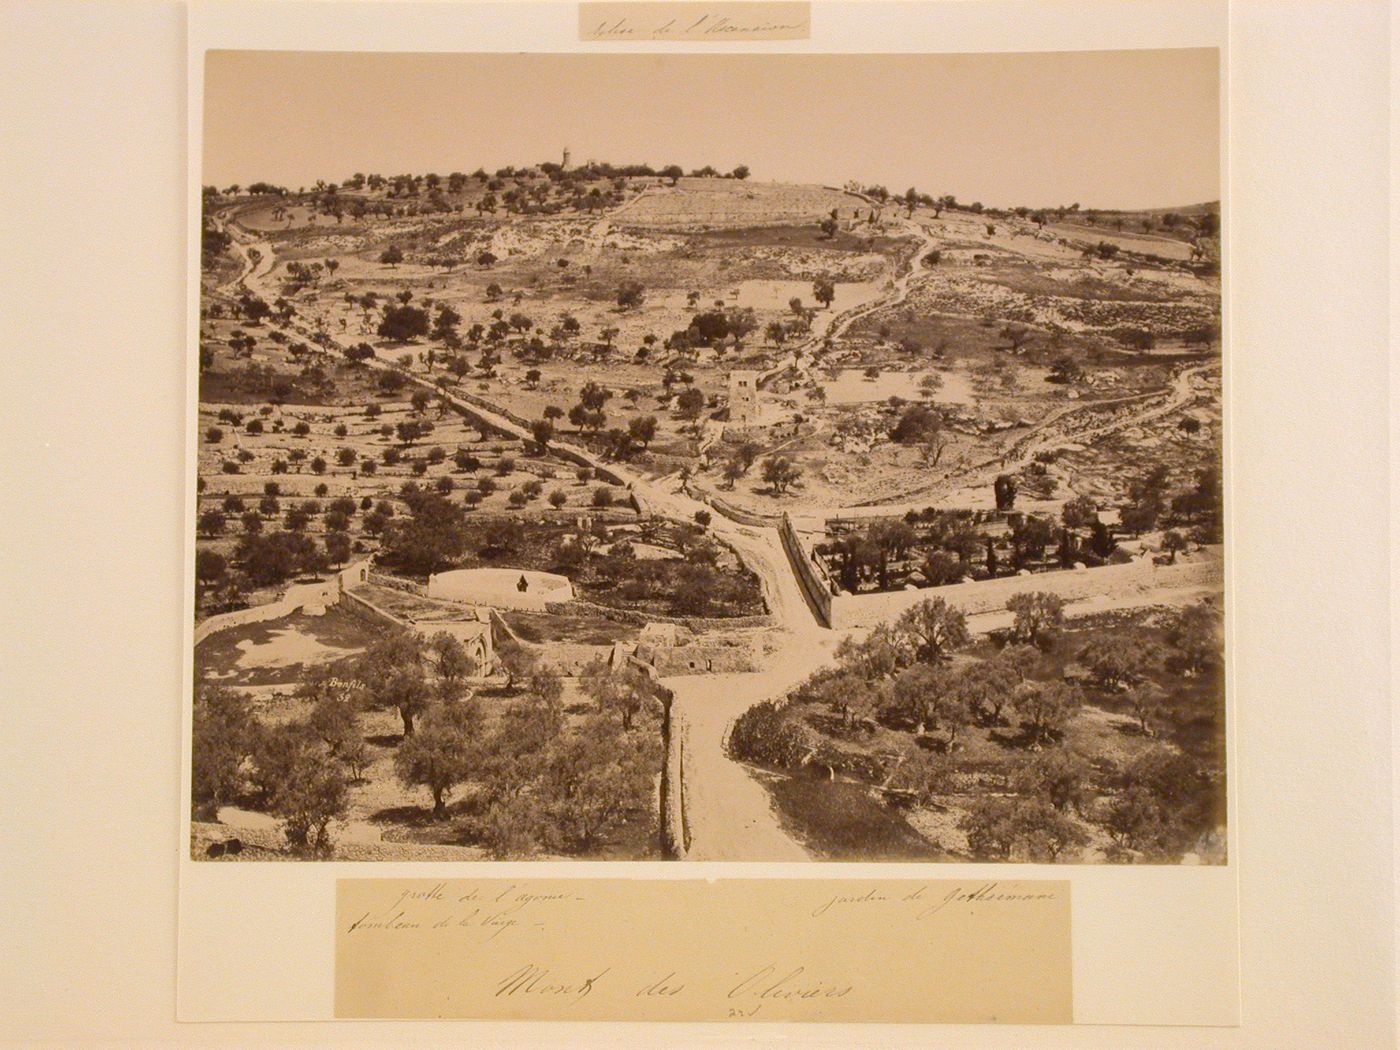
(743,398)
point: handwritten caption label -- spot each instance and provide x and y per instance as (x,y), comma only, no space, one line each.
(689,950)
(685,20)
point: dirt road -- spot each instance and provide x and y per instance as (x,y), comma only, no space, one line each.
(830,325)
(728,813)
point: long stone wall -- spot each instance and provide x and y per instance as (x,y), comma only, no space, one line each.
(697,624)
(817,589)
(675,819)
(617,514)
(675,833)
(1138,576)
(297,596)
(239,617)
(362,607)
(467,403)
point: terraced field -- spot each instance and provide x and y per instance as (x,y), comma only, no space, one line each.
(711,203)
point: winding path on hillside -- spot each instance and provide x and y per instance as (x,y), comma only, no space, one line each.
(729,815)
(1044,437)
(832,325)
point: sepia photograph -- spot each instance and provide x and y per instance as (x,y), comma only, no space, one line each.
(741,457)
(863,522)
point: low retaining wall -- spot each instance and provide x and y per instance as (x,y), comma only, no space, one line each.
(675,832)
(297,597)
(394,583)
(500,629)
(742,516)
(729,510)
(696,624)
(239,617)
(367,610)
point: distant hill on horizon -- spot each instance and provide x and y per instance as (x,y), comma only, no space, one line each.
(1188,209)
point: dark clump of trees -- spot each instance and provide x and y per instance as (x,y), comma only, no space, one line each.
(270,558)
(301,783)
(430,538)
(763,735)
(1198,509)
(1004,489)
(1045,797)
(213,241)
(780,472)
(223,736)
(935,547)
(630,295)
(286,769)
(403,323)
(922,425)
(537,780)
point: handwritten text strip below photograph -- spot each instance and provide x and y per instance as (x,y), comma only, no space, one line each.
(955,951)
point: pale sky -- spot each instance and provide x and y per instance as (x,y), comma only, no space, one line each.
(1124,129)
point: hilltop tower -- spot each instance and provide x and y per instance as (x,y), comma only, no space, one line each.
(565,163)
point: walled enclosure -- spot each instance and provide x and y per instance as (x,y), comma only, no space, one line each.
(309,596)
(984,596)
(1141,574)
(501,588)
